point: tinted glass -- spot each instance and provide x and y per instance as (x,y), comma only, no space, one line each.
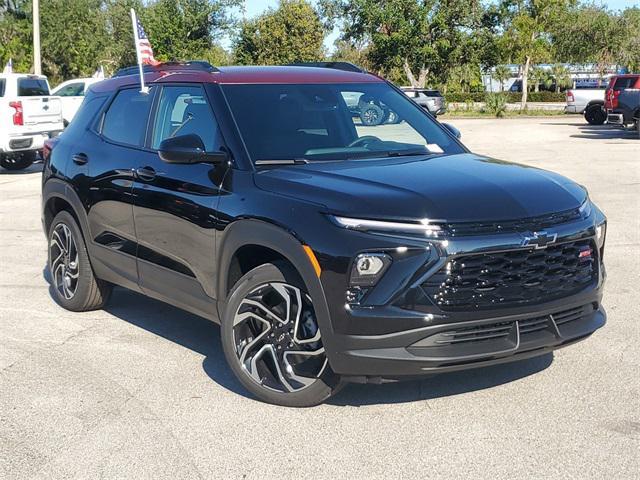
(2,84)
(333,122)
(625,82)
(71,90)
(126,120)
(87,112)
(32,87)
(184,110)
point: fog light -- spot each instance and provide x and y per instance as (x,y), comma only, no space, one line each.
(368,268)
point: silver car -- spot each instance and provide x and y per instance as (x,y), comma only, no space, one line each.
(432,100)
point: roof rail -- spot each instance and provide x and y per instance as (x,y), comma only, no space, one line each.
(346,66)
(192,65)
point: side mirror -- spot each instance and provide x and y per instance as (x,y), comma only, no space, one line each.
(456,133)
(188,149)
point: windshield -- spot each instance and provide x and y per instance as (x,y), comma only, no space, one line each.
(333,122)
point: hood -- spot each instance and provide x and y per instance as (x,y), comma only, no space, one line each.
(455,188)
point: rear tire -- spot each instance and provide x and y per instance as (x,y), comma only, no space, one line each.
(75,286)
(17,160)
(271,339)
(595,115)
(371,115)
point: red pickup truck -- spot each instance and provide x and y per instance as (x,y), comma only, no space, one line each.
(617,85)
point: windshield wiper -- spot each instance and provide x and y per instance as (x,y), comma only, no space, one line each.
(284,161)
(407,153)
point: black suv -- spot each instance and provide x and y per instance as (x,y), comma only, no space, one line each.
(328,250)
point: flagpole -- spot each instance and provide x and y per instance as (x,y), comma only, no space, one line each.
(136,40)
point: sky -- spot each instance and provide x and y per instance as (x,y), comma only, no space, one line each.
(253,8)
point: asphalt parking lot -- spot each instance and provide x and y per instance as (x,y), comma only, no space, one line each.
(141,390)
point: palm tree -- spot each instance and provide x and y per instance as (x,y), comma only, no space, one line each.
(501,74)
(561,76)
(541,76)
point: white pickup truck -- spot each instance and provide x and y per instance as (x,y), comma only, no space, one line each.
(29,115)
(588,101)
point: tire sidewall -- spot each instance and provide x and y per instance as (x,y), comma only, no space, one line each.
(24,161)
(268,273)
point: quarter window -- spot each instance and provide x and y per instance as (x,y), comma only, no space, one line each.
(184,110)
(126,120)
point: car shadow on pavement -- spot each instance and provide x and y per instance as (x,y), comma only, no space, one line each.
(183,328)
(605,132)
(442,385)
(203,336)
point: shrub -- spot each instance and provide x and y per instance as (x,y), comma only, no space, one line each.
(512,97)
(495,104)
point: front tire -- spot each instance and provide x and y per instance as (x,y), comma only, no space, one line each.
(272,341)
(17,160)
(595,115)
(75,286)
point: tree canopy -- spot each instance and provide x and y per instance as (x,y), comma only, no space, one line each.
(290,33)
(445,43)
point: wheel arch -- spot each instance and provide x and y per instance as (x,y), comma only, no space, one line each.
(58,196)
(264,242)
(594,102)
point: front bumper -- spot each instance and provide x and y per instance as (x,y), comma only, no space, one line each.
(385,336)
(434,349)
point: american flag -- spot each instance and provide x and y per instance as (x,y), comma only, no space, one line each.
(143,45)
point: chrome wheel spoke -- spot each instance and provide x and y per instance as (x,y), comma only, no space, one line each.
(64,264)
(278,343)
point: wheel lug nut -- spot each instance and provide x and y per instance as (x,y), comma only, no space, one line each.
(290,345)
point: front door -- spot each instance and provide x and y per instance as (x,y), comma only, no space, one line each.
(174,205)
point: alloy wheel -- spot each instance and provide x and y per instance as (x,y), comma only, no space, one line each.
(277,339)
(64,266)
(370,116)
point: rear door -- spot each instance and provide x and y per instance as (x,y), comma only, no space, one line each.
(108,164)
(174,211)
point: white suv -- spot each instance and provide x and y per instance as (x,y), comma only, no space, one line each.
(28,117)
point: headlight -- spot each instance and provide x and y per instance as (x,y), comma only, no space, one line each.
(422,227)
(601,233)
(368,268)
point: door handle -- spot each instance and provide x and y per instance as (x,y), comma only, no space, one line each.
(80,158)
(145,173)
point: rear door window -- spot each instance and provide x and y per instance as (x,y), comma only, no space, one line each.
(2,86)
(33,87)
(126,119)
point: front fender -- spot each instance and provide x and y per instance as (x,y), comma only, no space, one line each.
(260,233)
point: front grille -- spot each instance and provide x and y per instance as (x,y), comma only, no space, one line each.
(502,330)
(512,278)
(532,224)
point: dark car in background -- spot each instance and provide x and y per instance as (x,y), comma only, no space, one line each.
(328,250)
(622,101)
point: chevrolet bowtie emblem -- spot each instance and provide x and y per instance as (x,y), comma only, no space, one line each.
(540,240)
